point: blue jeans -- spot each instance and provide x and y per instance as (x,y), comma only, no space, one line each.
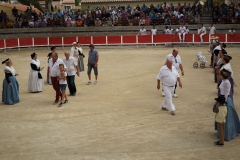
(71,84)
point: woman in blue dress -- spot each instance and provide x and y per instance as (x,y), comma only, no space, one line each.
(232,126)
(10,84)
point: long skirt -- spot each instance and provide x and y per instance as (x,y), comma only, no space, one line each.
(232,125)
(81,64)
(10,92)
(34,83)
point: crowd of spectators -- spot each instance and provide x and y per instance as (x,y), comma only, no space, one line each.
(165,14)
(226,14)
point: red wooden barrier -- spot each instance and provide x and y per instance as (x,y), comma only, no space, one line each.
(197,38)
(222,37)
(69,40)
(129,39)
(114,39)
(25,42)
(55,41)
(84,40)
(99,40)
(2,43)
(233,38)
(12,43)
(40,41)
(188,38)
(145,39)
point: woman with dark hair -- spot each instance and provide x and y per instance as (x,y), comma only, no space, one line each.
(232,126)
(35,81)
(10,84)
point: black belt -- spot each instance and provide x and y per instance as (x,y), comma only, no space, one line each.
(167,85)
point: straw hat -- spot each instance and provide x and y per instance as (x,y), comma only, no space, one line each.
(212,37)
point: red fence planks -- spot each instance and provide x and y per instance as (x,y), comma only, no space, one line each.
(233,38)
(40,41)
(84,40)
(25,42)
(2,43)
(114,39)
(145,39)
(11,43)
(129,39)
(69,40)
(55,41)
(197,38)
(99,40)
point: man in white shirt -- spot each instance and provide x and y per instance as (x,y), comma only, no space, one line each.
(202,32)
(143,33)
(180,33)
(212,29)
(177,63)
(154,31)
(72,70)
(166,31)
(53,71)
(74,46)
(231,31)
(186,31)
(169,76)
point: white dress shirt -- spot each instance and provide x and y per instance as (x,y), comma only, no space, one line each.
(143,31)
(212,30)
(168,77)
(54,68)
(154,31)
(176,61)
(70,65)
(225,88)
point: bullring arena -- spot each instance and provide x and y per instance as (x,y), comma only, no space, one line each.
(120,117)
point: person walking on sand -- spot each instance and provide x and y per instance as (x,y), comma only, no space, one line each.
(168,75)
(93,58)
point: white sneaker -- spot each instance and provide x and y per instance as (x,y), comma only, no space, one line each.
(95,82)
(175,96)
(163,94)
(89,82)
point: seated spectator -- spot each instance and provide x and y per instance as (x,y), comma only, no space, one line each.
(109,22)
(147,21)
(115,22)
(31,23)
(119,21)
(59,14)
(79,22)
(9,23)
(225,10)
(44,23)
(135,21)
(2,24)
(142,14)
(73,22)
(24,23)
(197,19)
(181,19)
(68,22)
(98,22)
(142,21)
(104,22)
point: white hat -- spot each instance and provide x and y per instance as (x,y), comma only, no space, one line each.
(181,14)
(74,43)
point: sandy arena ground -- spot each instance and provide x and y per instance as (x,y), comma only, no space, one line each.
(120,117)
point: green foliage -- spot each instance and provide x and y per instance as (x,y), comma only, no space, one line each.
(77,2)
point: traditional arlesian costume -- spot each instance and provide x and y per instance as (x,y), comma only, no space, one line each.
(10,85)
(35,81)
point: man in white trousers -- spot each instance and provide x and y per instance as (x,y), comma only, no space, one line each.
(177,63)
(168,76)
(202,32)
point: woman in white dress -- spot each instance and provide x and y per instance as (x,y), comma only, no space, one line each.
(81,56)
(74,53)
(35,81)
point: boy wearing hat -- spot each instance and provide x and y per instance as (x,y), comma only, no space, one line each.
(221,112)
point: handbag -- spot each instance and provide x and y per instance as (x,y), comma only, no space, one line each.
(215,109)
(39,75)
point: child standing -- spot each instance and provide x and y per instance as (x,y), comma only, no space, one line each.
(221,112)
(61,77)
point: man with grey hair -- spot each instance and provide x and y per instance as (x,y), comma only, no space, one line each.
(53,71)
(72,70)
(168,75)
(177,63)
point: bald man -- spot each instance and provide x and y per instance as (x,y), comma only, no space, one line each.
(177,63)
(72,70)
(168,76)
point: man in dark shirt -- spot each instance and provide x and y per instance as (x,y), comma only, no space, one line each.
(14,11)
